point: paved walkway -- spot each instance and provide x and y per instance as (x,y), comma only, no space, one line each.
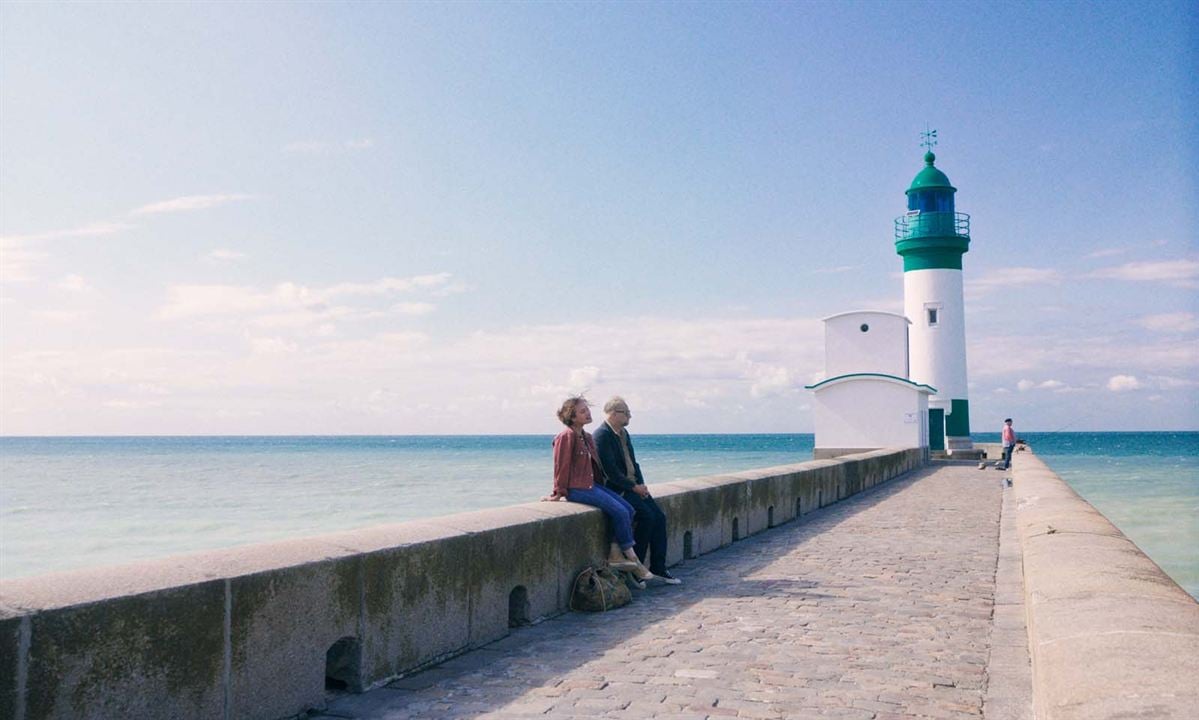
(879,607)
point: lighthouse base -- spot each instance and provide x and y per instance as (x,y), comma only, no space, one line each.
(961,448)
(958,443)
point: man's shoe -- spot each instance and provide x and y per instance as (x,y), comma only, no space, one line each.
(668,578)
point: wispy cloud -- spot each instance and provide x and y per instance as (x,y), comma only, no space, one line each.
(1106,252)
(1010,277)
(61,316)
(290,304)
(1179,322)
(835,270)
(17,262)
(188,203)
(1051,385)
(90,230)
(73,283)
(224,255)
(413,308)
(387,285)
(327,147)
(1176,272)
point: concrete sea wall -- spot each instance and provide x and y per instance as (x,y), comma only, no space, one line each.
(259,631)
(1110,634)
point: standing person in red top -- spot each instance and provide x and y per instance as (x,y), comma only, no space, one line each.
(578,477)
(1009,442)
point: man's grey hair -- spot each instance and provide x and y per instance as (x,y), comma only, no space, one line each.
(615,403)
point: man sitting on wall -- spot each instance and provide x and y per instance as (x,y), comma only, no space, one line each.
(616,454)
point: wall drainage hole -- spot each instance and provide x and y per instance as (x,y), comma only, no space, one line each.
(343,666)
(518,606)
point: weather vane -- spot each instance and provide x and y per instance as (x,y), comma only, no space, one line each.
(929,138)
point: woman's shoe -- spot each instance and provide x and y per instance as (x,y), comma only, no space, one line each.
(618,561)
(639,571)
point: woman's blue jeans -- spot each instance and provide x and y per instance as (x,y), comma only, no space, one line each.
(618,510)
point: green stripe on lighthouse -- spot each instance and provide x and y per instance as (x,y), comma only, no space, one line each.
(957,423)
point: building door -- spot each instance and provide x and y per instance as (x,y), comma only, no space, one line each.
(936,429)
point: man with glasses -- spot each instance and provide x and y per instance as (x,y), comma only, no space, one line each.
(623,475)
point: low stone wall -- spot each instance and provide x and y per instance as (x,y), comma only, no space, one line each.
(257,631)
(1110,634)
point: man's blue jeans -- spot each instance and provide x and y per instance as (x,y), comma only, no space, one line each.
(1007,456)
(618,510)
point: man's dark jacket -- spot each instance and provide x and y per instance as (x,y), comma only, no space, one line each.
(607,443)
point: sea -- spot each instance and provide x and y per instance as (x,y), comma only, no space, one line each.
(73,502)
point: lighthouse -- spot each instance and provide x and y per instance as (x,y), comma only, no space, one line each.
(932,237)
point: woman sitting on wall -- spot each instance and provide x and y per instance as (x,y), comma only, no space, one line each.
(578,477)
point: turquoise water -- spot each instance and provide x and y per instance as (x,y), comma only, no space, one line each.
(77,502)
(1147,483)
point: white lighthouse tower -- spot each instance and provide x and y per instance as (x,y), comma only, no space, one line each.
(932,238)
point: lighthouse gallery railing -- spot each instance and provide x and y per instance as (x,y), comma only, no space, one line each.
(931,224)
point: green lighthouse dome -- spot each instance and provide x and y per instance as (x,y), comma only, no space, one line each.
(929,177)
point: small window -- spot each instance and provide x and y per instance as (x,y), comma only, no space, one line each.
(864,327)
(932,317)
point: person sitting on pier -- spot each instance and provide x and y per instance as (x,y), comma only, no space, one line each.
(578,477)
(624,476)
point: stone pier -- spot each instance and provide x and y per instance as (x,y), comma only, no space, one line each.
(902,602)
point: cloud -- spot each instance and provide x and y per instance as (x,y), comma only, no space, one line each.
(769,380)
(17,263)
(413,308)
(1166,382)
(96,229)
(291,305)
(1009,277)
(1175,272)
(1027,354)
(388,285)
(73,283)
(61,316)
(327,147)
(189,203)
(223,255)
(305,147)
(131,404)
(1106,252)
(272,345)
(1123,383)
(834,270)
(1179,322)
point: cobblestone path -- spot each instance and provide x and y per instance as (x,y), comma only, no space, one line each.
(878,607)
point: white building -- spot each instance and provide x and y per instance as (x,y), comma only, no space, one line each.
(867,400)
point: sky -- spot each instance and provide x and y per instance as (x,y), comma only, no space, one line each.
(443,218)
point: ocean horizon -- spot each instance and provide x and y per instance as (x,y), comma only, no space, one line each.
(71,502)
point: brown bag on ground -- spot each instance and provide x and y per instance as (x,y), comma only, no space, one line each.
(598,590)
